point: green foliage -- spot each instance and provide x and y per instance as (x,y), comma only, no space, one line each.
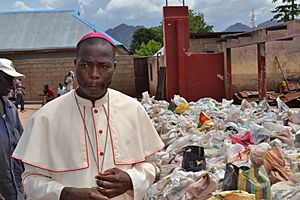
(197,23)
(288,11)
(148,49)
(144,35)
(158,30)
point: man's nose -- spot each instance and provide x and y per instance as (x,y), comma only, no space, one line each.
(95,73)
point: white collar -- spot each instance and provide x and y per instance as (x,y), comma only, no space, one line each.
(86,102)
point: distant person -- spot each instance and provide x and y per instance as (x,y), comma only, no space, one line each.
(48,94)
(61,89)
(69,81)
(283,89)
(10,131)
(19,92)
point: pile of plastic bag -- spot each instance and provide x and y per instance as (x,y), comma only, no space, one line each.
(250,152)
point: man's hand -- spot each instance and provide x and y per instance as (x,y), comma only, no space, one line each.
(114,182)
(69,193)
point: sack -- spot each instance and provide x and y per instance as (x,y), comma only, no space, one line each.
(255,181)
(172,106)
(204,186)
(233,195)
(181,108)
(296,118)
(193,158)
(230,181)
(275,165)
(205,122)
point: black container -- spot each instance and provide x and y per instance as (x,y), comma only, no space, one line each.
(193,158)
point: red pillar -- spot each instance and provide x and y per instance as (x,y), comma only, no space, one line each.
(177,43)
(181,56)
(261,58)
(228,74)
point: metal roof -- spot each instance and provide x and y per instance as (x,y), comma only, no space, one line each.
(43,29)
(160,52)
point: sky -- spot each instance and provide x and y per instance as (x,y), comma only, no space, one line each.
(107,14)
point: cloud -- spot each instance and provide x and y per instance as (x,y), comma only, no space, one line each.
(20,5)
(84,3)
(44,5)
(131,9)
(109,13)
(50,4)
(218,13)
(138,9)
(221,15)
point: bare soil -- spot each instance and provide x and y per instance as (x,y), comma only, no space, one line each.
(29,110)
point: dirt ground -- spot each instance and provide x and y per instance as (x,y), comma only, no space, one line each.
(29,110)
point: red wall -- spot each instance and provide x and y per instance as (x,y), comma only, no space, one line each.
(205,76)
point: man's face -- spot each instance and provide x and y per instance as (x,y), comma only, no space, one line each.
(6,83)
(94,70)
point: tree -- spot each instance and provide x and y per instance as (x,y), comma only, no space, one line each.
(148,49)
(158,30)
(144,35)
(286,12)
(198,24)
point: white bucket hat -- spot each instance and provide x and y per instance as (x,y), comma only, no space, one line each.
(7,67)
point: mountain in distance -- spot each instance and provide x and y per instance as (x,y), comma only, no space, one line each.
(123,33)
(239,27)
(267,24)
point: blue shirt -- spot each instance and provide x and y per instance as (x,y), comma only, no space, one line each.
(10,169)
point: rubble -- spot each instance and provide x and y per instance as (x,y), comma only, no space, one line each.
(251,136)
(254,96)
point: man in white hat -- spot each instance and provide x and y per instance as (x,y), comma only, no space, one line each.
(10,132)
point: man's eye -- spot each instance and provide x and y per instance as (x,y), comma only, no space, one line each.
(9,78)
(106,66)
(84,65)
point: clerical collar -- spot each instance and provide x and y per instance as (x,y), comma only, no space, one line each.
(94,103)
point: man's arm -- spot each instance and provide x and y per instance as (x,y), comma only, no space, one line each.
(38,185)
(142,176)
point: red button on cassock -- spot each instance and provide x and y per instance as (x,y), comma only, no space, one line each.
(101,153)
(96,111)
(100,131)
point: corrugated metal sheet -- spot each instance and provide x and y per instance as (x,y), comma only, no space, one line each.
(42,30)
